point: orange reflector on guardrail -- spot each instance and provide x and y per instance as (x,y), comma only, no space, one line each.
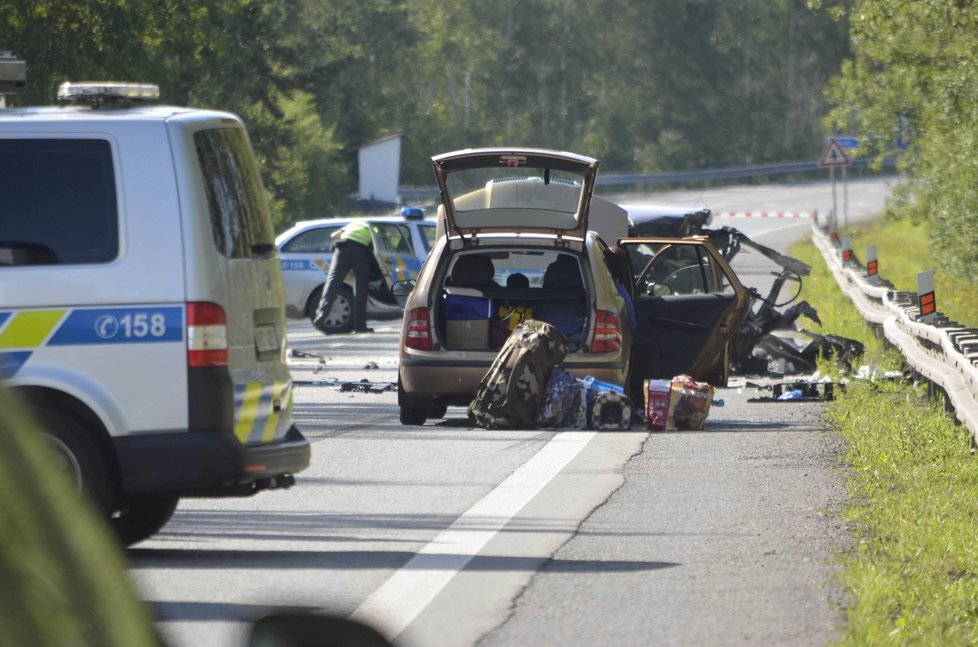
(846,251)
(926,297)
(928,304)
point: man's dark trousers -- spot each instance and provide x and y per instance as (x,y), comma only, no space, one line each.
(347,256)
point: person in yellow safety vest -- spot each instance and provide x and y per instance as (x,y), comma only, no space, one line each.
(351,251)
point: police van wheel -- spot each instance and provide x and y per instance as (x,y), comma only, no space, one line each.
(340,319)
(413,415)
(142,517)
(79,456)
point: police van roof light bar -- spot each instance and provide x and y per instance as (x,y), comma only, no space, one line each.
(99,92)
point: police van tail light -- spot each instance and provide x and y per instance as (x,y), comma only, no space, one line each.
(418,330)
(207,335)
(607,332)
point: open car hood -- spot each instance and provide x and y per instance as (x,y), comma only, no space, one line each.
(501,191)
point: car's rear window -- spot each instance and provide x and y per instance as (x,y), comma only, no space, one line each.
(238,205)
(57,202)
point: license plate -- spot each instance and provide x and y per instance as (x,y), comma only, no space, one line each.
(266,339)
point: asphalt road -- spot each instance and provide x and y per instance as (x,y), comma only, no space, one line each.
(451,535)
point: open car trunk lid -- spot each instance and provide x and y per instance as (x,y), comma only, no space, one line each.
(501,191)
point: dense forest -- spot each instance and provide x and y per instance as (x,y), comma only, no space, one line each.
(643,85)
(911,90)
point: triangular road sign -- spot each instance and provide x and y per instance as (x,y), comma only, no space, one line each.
(833,155)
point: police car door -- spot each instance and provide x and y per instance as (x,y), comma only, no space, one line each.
(395,254)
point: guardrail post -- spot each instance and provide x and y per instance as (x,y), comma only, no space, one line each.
(872,265)
(926,297)
(846,252)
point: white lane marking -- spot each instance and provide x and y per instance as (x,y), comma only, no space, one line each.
(402,598)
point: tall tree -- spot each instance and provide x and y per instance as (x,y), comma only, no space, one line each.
(911,90)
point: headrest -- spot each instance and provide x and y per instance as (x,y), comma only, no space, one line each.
(517,280)
(563,274)
(472,269)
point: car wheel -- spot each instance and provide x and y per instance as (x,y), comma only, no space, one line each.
(142,517)
(79,456)
(437,411)
(413,415)
(312,303)
(340,319)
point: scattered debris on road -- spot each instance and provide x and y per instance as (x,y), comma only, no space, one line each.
(366,386)
(801,391)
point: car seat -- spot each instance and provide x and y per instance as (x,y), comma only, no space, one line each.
(517,280)
(563,274)
(566,309)
(472,271)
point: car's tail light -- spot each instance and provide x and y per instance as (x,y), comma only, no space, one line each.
(607,332)
(418,330)
(207,335)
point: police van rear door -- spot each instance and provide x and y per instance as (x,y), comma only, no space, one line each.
(228,212)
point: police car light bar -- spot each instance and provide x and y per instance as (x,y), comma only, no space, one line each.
(103,91)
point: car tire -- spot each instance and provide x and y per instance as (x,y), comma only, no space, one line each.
(437,411)
(312,303)
(413,416)
(143,516)
(77,452)
(340,318)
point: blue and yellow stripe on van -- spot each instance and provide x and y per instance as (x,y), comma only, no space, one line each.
(22,332)
(259,411)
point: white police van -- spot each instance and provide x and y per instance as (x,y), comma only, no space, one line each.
(141,302)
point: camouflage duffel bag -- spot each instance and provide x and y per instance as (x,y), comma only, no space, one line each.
(510,394)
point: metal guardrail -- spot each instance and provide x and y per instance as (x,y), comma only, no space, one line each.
(945,353)
(418,194)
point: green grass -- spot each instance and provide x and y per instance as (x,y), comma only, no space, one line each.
(912,570)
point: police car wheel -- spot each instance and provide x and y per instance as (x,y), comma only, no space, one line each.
(340,319)
(79,456)
(143,516)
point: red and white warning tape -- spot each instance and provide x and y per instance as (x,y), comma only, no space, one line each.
(812,215)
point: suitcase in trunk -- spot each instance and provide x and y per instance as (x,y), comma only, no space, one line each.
(510,394)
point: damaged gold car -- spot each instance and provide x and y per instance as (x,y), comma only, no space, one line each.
(522,236)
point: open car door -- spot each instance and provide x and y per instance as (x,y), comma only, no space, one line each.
(688,304)
(396,259)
